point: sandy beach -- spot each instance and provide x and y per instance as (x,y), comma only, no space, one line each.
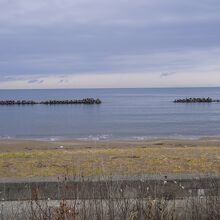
(22,158)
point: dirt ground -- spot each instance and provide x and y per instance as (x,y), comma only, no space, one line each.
(22,158)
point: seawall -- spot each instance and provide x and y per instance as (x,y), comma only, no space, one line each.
(54,188)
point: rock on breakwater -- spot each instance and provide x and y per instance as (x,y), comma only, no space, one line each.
(82,101)
(17,102)
(51,102)
(196,100)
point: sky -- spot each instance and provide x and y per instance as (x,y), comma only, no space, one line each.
(109,43)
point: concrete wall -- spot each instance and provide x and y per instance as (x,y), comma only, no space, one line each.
(170,186)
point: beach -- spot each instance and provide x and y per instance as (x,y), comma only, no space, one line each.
(75,177)
(31,158)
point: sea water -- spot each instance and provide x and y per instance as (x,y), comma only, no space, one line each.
(124,114)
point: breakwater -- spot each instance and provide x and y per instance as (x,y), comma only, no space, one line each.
(196,100)
(51,102)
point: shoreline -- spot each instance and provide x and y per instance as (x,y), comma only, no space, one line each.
(13,145)
(106,137)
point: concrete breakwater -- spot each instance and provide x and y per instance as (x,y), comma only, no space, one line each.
(169,187)
(51,102)
(196,100)
(150,197)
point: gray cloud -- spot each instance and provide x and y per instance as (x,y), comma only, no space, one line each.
(35,81)
(63,81)
(167,74)
(9,77)
(120,12)
(64,37)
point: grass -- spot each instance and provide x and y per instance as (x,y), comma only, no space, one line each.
(108,161)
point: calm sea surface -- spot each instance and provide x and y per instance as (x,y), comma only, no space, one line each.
(124,114)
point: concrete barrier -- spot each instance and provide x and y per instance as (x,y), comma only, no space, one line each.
(169,186)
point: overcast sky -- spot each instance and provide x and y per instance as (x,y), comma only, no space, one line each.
(109,43)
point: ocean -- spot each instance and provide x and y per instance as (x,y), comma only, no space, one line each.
(125,114)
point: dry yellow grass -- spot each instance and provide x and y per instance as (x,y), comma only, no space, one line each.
(110,161)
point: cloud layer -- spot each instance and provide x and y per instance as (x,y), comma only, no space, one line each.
(84,43)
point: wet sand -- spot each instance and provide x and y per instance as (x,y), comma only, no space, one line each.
(10,145)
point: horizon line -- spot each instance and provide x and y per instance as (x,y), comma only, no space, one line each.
(90,88)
